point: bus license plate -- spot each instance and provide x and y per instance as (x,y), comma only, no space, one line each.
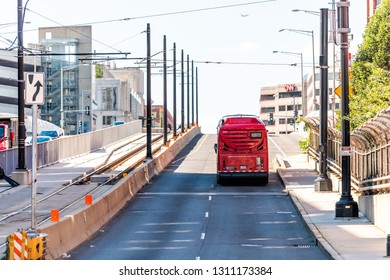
(242,167)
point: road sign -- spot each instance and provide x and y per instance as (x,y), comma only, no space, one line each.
(338,90)
(34,88)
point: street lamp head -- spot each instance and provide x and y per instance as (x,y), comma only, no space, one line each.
(275,51)
(282,30)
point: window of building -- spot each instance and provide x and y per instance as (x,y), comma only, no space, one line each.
(282,121)
(267,97)
(108,120)
(290,107)
(290,94)
(268,109)
(109,99)
(282,108)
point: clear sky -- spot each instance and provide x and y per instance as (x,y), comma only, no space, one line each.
(242,38)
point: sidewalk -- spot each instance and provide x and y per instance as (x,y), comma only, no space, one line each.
(342,238)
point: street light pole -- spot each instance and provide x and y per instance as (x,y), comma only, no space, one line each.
(148,95)
(346,206)
(165,109)
(309,33)
(323,183)
(295,113)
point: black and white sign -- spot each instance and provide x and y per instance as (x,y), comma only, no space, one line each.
(34,88)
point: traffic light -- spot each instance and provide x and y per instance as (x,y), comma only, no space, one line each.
(271,117)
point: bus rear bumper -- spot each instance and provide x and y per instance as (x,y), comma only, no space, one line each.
(224,176)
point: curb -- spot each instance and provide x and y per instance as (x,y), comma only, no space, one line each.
(317,235)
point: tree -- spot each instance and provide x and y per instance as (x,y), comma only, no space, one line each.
(99,71)
(371,69)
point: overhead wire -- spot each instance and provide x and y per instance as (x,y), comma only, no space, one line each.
(149,16)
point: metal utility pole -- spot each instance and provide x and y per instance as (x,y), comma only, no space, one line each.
(182,91)
(193,93)
(323,183)
(346,206)
(188,91)
(21,124)
(165,119)
(197,120)
(148,95)
(174,91)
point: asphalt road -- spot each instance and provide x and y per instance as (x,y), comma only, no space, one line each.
(184,215)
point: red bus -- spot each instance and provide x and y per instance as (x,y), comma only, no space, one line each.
(242,148)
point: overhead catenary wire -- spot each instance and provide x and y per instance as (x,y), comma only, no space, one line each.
(144,17)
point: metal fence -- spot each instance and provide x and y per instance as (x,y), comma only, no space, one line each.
(69,146)
(370,159)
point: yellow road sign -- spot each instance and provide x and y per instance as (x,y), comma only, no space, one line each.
(338,90)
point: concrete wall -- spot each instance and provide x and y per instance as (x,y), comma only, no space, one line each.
(70,232)
(377,209)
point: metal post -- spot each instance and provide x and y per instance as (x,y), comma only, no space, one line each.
(21,124)
(188,91)
(314,74)
(62,99)
(346,206)
(182,91)
(197,120)
(165,125)
(148,96)
(334,60)
(193,96)
(388,246)
(34,167)
(174,91)
(323,183)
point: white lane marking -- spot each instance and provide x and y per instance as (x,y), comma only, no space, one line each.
(211,194)
(283,154)
(206,214)
(194,151)
(197,258)
(203,235)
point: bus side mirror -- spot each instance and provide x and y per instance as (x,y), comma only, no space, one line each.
(215,147)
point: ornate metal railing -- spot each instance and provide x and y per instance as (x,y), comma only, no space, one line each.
(370,159)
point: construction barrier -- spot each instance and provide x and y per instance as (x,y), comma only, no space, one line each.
(17,246)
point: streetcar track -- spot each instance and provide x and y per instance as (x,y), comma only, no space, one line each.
(84,178)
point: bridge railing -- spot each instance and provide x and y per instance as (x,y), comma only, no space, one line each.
(69,146)
(370,159)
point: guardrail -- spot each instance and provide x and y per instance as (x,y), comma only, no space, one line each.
(370,159)
(69,146)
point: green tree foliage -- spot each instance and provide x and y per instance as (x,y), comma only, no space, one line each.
(99,71)
(371,69)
